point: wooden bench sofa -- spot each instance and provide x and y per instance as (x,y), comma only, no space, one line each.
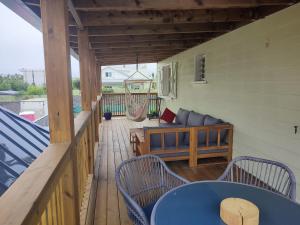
(186,141)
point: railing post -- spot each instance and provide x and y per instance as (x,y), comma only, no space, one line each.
(193,147)
(55,23)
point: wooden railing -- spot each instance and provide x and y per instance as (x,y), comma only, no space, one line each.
(115,102)
(55,188)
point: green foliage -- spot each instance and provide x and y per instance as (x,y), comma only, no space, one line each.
(107,89)
(35,90)
(12,82)
(4,86)
(76,84)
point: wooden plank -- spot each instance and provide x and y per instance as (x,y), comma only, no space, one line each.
(70,196)
(121,5)
(150,37)
(112,17)
(85,78)
(57,69)
(146,44)
(113,213)
(125,58)
(120,155)
(75,14)
(132,54)
(129,61)
(162,29)
(101,176)
(110,51)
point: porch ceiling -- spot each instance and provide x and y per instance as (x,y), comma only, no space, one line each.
(120,30)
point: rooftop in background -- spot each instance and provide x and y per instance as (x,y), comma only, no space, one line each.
(21,142)
(9,92)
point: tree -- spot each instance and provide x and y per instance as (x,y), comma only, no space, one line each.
(12,82)
(76,84)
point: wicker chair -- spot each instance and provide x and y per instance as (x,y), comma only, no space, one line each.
(271,175)
(142,181)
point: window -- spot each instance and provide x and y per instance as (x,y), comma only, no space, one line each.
(108,74)
(167,80)
(200,68)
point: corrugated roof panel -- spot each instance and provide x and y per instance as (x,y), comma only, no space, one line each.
(21,142)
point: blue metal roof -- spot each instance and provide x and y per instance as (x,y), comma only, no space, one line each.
(21,142)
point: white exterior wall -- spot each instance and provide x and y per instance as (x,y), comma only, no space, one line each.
(253,76)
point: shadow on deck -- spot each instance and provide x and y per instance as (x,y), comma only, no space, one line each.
(114,148)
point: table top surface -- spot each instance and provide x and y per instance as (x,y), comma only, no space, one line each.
(198,203)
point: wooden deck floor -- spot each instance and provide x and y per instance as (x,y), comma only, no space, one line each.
(114,147)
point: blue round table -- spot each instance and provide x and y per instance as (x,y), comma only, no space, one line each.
(199,204)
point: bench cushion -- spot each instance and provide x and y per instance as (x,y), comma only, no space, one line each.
(182,116)
(170,125)
(169,138)
(195,119)
(213,134)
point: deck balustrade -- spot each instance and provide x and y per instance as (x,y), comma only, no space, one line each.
(56,187)
(115,102)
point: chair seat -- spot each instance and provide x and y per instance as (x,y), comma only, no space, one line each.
(148,210)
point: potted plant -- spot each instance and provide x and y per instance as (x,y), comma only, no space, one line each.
(153,114)
(107,114)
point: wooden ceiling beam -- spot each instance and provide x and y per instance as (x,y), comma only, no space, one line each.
(121,61)
(133,54)
(147,44)
(137,50)
(130,5)
(75,14)
(108,18)
(124,62)
(160,29)
(139,38)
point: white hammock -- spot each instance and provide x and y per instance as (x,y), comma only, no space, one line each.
(136,106)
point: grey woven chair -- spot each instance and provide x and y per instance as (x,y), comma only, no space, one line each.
(271,175)
(142,181)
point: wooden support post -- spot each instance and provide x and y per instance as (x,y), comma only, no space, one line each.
(100,93)
(193,160)
(230,141)
(59,91)
(85,76)
(93,75)
(57,67)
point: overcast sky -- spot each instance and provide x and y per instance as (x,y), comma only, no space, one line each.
(21,45)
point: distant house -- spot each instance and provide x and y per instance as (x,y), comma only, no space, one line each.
(34,77)
(21,142)
(112,76)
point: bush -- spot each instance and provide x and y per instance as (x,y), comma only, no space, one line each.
(76,84)
(35,90)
